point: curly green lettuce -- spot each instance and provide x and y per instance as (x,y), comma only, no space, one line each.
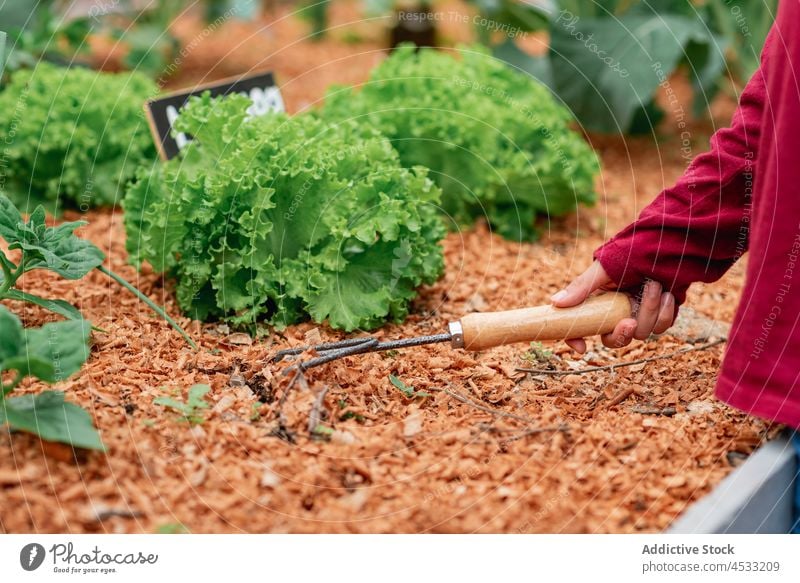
(495,140)
(279,219)
(72,137)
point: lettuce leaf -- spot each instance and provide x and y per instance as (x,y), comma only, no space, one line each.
(72,137)
(279,219)
(496,141)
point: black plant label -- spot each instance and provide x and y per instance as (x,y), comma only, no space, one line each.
(163,111)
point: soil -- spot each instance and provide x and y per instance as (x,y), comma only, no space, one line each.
(486,449)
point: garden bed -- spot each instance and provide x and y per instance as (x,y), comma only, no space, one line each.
(487,449)
(393,464)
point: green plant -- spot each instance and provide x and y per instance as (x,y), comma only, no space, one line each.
(743,24)
(323,431)
(172,528)
(50,353)
(2,55)
(55,249)
(607,58)
(147,33)
(317,12)
(39,31)
(73,136)
(216,9)
(407,390)
(537,354)
(508,17)
(496,141)
(281,218)
(191,411)
(153,48)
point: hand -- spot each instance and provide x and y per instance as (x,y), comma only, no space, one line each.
(656,310)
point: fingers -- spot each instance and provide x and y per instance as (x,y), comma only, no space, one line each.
(582,286)
(622,334)
(577,344)
(649,309)
(666,314)
(655,314)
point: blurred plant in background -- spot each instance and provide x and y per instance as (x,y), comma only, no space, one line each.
(50,31)
(38,31)
(608,57)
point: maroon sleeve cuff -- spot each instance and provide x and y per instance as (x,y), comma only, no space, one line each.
(622,265)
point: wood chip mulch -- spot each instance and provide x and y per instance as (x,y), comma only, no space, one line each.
(489,450)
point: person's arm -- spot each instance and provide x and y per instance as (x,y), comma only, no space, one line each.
(691,232)
(695,230)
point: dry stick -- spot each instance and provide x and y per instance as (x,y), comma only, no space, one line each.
(298,375)
(621,396)
(315,416)
(485,409)
(621,364)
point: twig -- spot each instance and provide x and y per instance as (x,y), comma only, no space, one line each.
(621,364)
(619,397)
(529,421)
(534,430)
(298,376)
(651,410)
(315,416)
(461,398)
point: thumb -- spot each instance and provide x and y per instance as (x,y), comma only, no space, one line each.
(581,287)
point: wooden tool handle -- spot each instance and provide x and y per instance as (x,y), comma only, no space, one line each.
(597,315)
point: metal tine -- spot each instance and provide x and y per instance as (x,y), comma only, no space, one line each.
(324,347)
(331,355)
(369,345)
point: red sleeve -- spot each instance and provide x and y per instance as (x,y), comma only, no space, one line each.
(697,229)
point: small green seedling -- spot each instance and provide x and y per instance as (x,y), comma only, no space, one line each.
(407,390)
(50,353)
(537,354)
(323,431)
(59,250)
(172,528)
(192,410)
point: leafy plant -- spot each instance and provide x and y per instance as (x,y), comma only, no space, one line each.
(510,16)
(407,390)
(153,48)
(744,25)
(191,411)
(147,33)
(172,528)
(215,9)
(39,31)
(496,141)
(281,218)
(607,58)
(2,55)
(50,353)
(537,354)
(612,87)
(317,12)
(55,249)
(73,136)
(323,431)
